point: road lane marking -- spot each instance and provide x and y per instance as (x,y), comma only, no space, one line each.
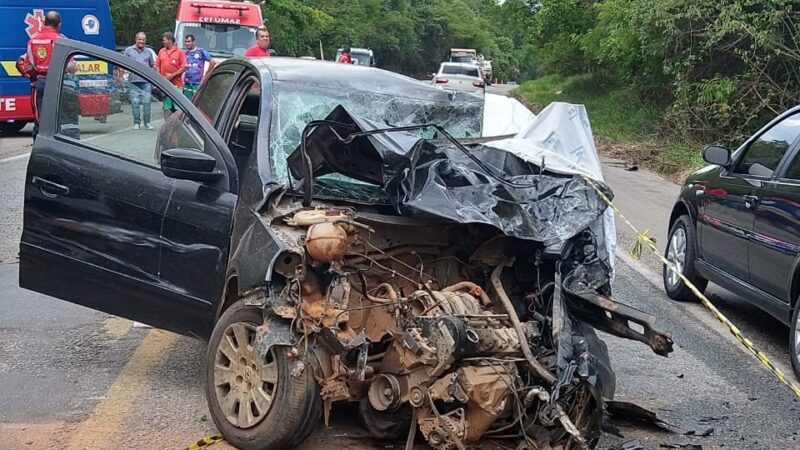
(117,326)
(14,158)
(103,428)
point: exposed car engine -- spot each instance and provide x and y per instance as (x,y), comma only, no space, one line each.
(454,329)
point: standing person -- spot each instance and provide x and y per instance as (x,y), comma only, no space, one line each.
(261,48)
(196,59)
(171,64)
(40,50)
(345,58)
(140,88)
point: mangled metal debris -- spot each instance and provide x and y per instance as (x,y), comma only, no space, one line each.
(447,289)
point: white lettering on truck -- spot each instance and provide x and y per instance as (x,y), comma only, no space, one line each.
(220,20)
(8,104)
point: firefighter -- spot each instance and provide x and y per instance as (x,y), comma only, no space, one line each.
(40,50)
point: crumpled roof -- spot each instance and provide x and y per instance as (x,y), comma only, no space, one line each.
(440,179)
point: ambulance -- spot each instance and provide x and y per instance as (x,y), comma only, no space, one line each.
(83,20)
(225,29)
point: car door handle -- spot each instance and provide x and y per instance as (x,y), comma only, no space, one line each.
(49,188)
(750,201)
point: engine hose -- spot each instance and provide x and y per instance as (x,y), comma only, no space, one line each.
(537,368)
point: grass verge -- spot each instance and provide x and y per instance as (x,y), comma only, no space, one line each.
(625,127)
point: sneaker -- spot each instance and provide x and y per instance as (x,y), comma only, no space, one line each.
(147,126)
(136,126)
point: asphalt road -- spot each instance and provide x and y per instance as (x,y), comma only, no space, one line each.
(73,378)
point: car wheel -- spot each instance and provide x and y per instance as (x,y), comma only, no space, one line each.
(681,249)
(794,340)
(255,402)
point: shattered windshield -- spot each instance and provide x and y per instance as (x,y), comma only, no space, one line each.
(295,105)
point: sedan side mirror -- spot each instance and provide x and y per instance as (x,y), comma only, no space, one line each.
(719,156)
(189,164)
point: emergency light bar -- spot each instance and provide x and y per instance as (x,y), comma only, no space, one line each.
(200,5)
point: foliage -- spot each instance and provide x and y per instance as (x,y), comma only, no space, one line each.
(407,36)
(133,16)
(721,68)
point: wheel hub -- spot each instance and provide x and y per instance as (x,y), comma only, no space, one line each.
(676,254)
(244,382)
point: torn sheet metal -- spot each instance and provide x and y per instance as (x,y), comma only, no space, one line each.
(436,179)
(560,137)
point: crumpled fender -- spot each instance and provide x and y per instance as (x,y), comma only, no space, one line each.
(274,331)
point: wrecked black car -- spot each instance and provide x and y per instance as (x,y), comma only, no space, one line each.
(344,234)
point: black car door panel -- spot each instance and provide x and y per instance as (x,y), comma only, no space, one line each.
(103,226)
(775,247)
(727,222)
(196,238)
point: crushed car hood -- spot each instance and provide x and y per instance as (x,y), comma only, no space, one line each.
(498,183)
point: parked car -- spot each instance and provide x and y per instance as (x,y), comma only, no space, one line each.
(460,77)
(328,256)
(737,224)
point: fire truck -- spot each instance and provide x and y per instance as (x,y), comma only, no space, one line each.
(225,29)
(83,20)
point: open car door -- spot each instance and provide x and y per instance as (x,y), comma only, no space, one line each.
(112,188)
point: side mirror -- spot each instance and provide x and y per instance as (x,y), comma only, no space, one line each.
(719,156)
(188,164)
(273,52)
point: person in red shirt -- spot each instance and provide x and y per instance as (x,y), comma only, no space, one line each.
(345,58)
(37,58)
(261,49)
(171,64)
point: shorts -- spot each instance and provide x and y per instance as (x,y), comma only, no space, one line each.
(189,89)
(168,104)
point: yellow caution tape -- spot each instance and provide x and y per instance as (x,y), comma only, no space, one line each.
(205,442)
(642,239)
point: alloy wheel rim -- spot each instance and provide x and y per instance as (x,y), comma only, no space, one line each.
(797,337)
(244,383)
(676,254)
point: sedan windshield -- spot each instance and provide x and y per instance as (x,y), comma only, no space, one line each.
(221,40)
(295,105)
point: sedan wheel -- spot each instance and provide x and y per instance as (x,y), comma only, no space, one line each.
(676,255)
(245,383)
(681,253)
(258,402)
(794,340)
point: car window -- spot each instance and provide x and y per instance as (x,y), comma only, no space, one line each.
(793,172)
(113,109)
(460,70)
(764,154)
(214,93)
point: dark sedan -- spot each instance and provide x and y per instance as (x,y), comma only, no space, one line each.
(737,224)
(330,231)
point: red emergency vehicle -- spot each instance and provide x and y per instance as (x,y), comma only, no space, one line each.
(224,29)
